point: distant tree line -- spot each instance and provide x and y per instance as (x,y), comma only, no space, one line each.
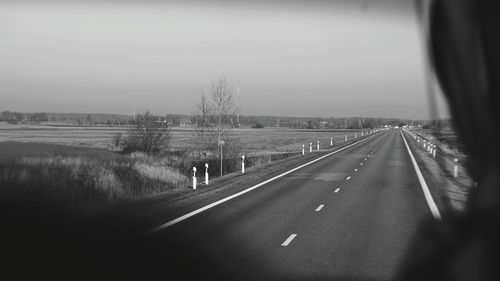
(196,120)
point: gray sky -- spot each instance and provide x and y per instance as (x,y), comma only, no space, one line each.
(321,59)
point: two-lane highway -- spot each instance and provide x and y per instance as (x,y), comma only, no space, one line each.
(350,215)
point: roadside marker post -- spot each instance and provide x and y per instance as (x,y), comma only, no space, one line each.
(317,147)
(226,199)
(310,147)
(303,149)
(242,164)
(434,151)
(345,137)
(455,168)
(194,177)
(331,141)
(355,135)
(206,173)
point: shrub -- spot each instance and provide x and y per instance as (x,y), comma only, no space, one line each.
(148,135)
(258,126)
(117,139)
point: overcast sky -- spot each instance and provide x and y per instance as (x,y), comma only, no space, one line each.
(319,59)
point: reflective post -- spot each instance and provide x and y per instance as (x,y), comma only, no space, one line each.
(242,164)
(194,177)
(206,173)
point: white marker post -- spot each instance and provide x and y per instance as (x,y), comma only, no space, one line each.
(345,137)
(434,151)
(331,141)
(317,146)
(242,164)
(455,168)
(194,177)
(303,148)
(310,147)
(361,133)
(355,135)
(206,173)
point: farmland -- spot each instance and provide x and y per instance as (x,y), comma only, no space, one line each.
(265,140)
(73,167)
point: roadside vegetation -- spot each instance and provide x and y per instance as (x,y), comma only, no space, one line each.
(84,183)
(141,159)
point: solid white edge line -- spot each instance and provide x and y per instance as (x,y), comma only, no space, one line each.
(319,208)
(289,240)
(209,206)
(427,193)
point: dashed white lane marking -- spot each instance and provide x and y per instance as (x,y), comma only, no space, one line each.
(214,204)
(361,163)
(355,170)
(337,190)
(348,178)
(289,240)
(319,208)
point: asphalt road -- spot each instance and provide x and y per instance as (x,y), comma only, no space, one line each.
(350,216)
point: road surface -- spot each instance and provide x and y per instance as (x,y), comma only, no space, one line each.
(349,216)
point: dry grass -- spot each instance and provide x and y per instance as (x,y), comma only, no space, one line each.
(84,184)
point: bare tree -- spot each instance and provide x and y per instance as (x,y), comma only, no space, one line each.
(204,129)
(222,97)
(148,135)
(216,113)
(205,110)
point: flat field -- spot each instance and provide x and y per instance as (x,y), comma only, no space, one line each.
(266,140)
(71,167)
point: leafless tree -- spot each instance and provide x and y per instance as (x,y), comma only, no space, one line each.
(205,110)
(204,130)
(148,135)
(216,111)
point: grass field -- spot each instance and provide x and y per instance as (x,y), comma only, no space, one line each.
(72,168)
(80,180)
(252,140)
